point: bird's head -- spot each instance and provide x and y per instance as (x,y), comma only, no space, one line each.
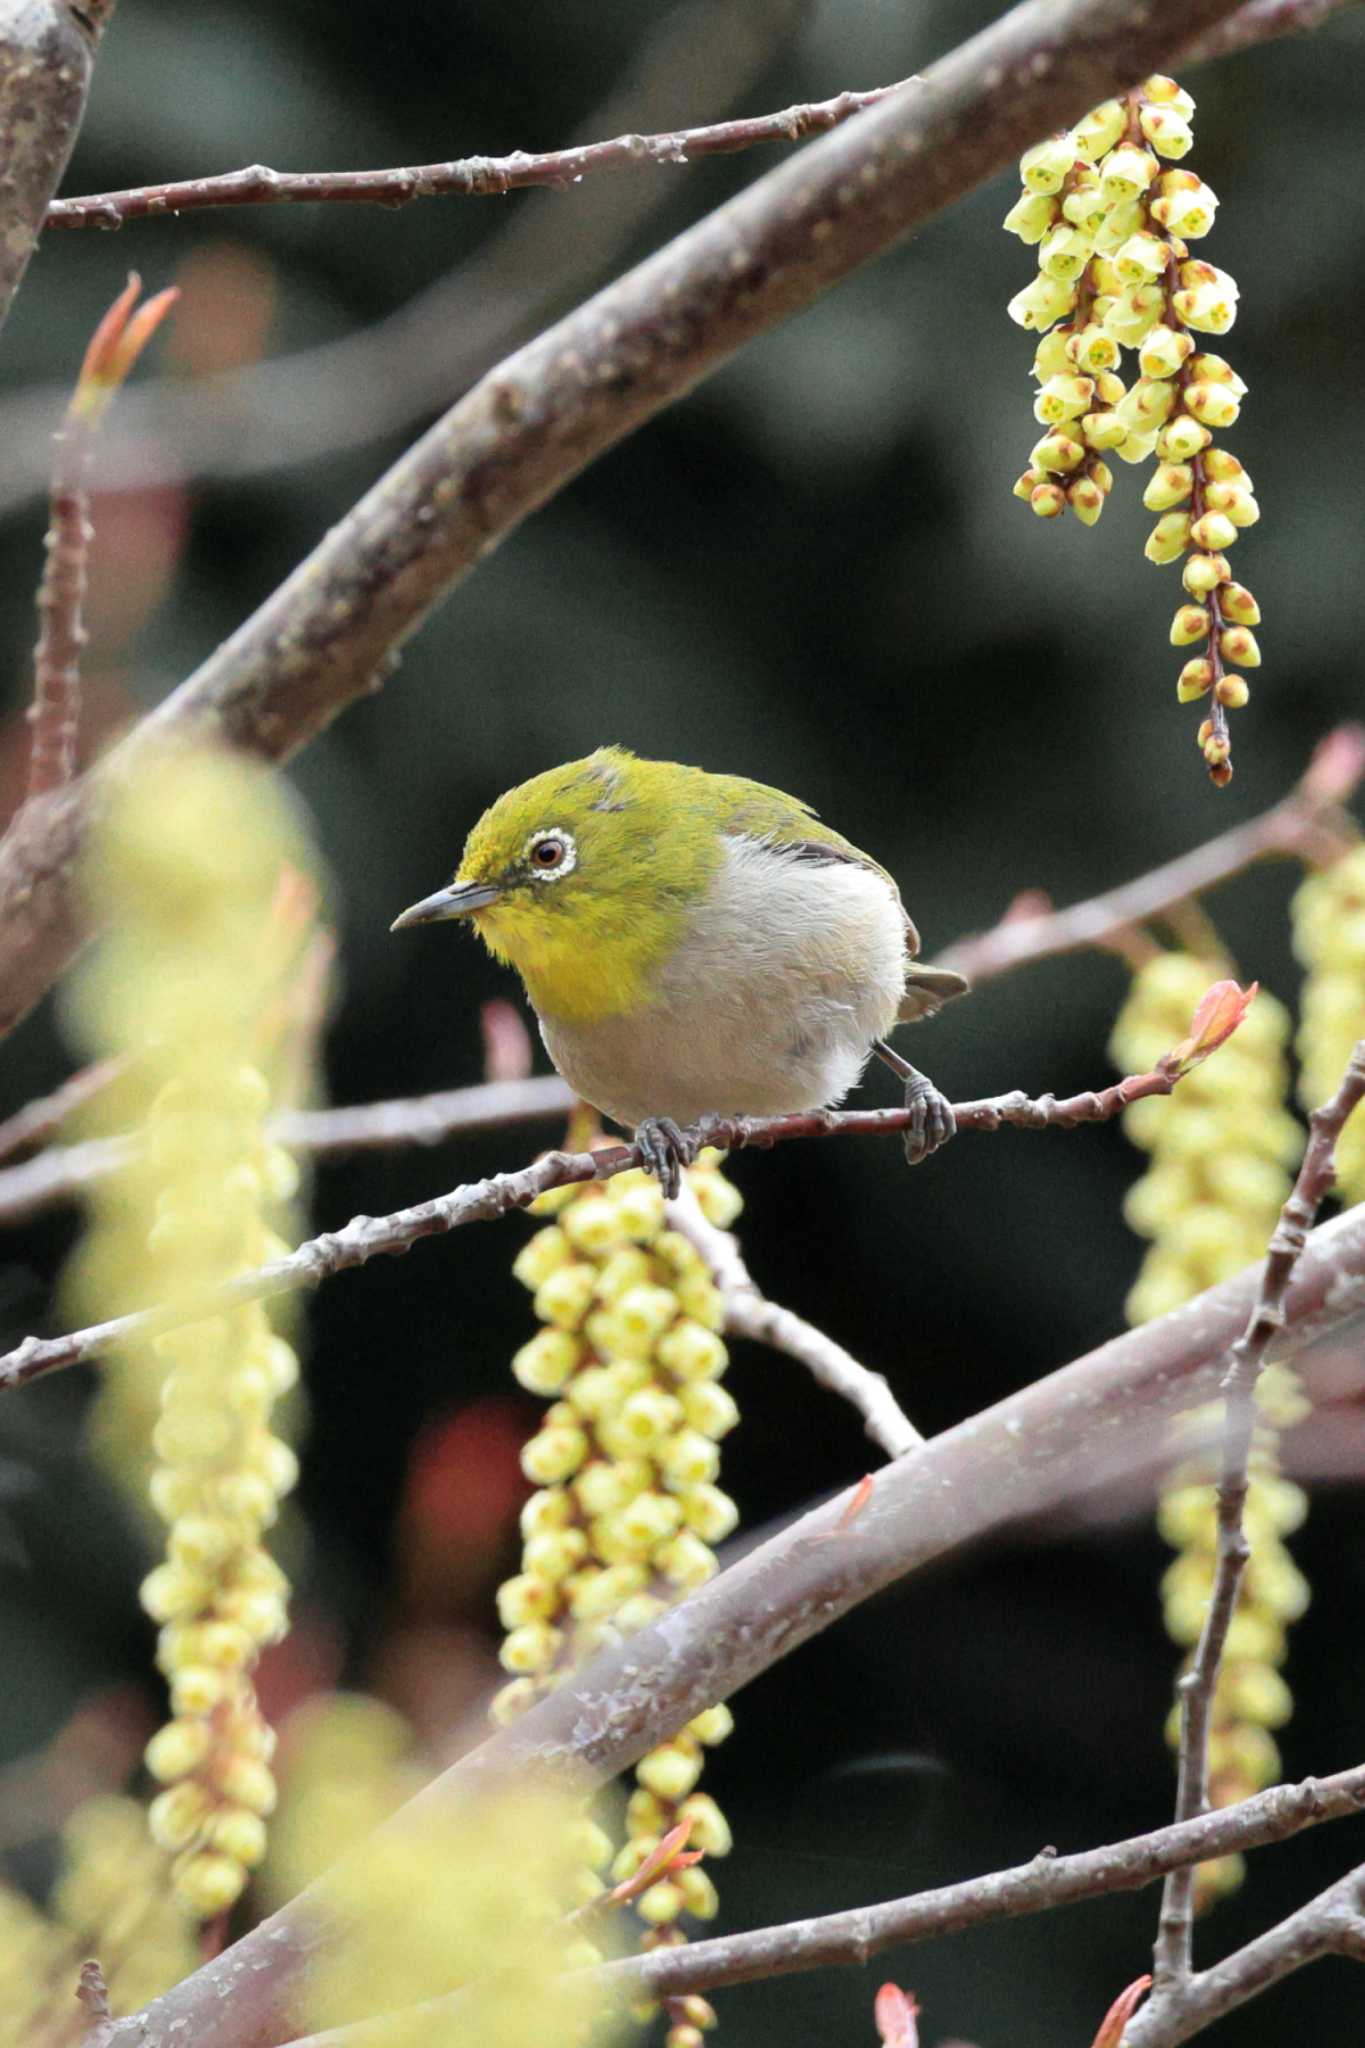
(583,878)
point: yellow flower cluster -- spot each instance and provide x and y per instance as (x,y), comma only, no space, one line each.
(1329,938)
(627,1461)
(1113,229)
(110,1900)
(1221,1148)
(186,865)
(469,1900)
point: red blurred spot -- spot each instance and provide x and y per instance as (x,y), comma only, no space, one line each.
(463,1491)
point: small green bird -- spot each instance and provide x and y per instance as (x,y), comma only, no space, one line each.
(695,945)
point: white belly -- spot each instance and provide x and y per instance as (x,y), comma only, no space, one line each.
(771,1004)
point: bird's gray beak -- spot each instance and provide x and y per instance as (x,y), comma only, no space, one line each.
(456,901)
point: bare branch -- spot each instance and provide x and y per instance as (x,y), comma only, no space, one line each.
(47,53)
(330,633)
(368,1237)
(1076,1429)
(1171,1959)
(475,177)
(748,1313)
(1301,826)
(1328,1924)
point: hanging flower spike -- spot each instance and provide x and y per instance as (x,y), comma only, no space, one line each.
(1112,229)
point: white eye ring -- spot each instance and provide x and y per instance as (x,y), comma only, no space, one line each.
(550,835)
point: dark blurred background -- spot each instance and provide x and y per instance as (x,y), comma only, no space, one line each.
(812,572)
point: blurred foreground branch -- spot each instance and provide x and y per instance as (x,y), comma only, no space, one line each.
(367,1237)
(1079,1428)
(331,632)
(475,177)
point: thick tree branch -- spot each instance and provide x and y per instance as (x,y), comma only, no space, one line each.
(330,633)
(1264,21)
(47,53)
(1303,826)
(1078,1428)
(368,1237)
(1171,1960)
(474,177)
(748,1313)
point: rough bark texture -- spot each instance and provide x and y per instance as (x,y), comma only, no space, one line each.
(332,630)
(47,52)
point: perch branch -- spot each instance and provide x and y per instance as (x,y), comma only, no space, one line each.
(330,633)
(47,53)
(1264,21)
(41,1119)
(475,177)
(1171,1959)
(748,1313)
(1302,825)
(1079,1428)
(368,1237)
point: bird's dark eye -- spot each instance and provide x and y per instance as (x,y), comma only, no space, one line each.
(547,854)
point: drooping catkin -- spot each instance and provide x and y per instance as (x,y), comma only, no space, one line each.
(629,1508)
(185,868)
(1221,1152)
(1329,938)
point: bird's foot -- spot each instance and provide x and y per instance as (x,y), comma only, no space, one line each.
(932,1122)
(665,1149)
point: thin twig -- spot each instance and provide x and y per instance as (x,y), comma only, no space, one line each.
(1330,1924)
(40,1119)
(853,1937)
(1171,1957)
(1302,825)
(1084,1427)
(64,1172)
(329,634)
(368,1237)
(475,177)
(748,1313)
(55,711)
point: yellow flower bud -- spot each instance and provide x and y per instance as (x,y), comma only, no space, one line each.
(688,1458)
(564,1296)
(1058,452)
(1031,215)
(1214,530)
(545,1364)
(530,1649)
(698,1893)
(710,1829)
(660,1904)
(1048,500)
(1062,398)
(1168,132)
(553,1455)
(545,1511)
(1169,538)
(1101,430)
(176,1815)
(669,1771)
(209,1882)
(1195,678)
(525,1598)
(707,1511)
(1165,92)
(1171,484)
(709,1408)
(1092,351)
(1126,173)
(1100,129)
(1190,623)
(198,1689)
(1213,405)
(1042,304)
(249,1783)
(1239,644)
(686,1561)
(712,1725)
(1163,352)
(178,1749)
(237,1832)
(1181,439)
(1043,168)
(1086,500)
(1202,574)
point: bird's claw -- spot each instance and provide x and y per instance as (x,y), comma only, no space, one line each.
(665,1149)
(932,1122)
